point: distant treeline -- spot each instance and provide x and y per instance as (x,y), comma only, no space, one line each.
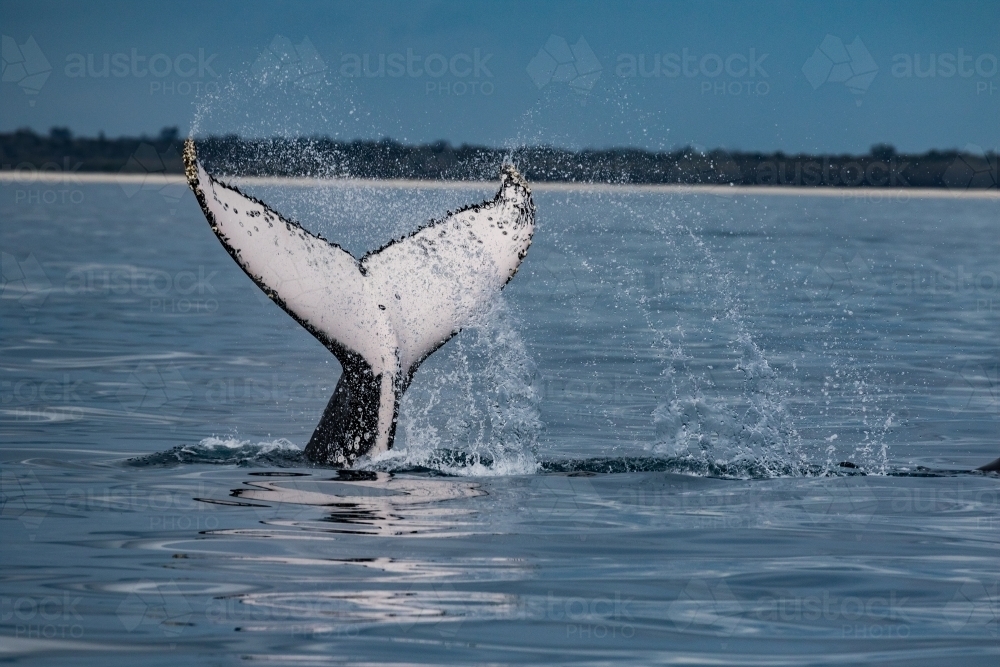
(323,157)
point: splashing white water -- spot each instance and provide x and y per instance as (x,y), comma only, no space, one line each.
(472,409)
(695,421)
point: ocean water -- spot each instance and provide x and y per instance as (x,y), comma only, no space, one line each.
(700,426)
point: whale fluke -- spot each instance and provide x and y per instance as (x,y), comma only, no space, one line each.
(382,315)
(992,466)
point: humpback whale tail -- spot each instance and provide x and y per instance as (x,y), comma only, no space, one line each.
(382,315)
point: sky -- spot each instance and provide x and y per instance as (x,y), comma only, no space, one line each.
(818,77)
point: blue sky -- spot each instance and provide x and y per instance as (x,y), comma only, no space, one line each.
(795,76)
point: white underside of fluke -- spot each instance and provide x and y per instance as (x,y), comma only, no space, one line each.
(394,306)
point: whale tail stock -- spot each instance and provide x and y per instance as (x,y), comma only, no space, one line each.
(382,315)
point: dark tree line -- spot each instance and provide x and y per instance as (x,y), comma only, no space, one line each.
(882,166)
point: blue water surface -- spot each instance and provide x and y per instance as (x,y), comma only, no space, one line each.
(701,426)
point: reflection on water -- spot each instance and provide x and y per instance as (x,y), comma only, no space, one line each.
(372,503)
(315,566)
(437,605)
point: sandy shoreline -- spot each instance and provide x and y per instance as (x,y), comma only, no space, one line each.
(875,194)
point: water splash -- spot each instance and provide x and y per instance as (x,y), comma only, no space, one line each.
(747,427)
(472,409)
